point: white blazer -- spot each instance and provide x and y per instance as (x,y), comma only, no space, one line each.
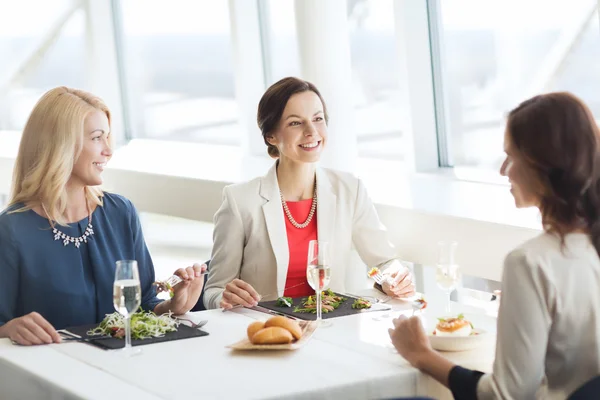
(250,239)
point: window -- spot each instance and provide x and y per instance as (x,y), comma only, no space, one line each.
(178,60)
(375,79)
(280,41)
(40,50)
(496,54)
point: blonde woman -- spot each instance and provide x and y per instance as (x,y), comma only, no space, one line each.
(61,234)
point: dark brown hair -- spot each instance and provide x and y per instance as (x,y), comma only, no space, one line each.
(559,140)
(273,102)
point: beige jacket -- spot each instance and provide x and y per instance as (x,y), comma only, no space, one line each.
(548,341)
(250,240)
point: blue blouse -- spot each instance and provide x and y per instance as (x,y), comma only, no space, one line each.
(70,286)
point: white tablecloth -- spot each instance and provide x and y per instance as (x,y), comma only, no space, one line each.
(351,359)
(42,372)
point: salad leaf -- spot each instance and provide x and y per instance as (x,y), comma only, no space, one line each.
(285,302)
(144,325)
(164,287)
(361,303)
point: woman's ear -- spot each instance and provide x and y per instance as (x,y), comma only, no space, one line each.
(271,140)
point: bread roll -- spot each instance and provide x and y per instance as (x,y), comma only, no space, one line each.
(285,323)
(254,327)
(272,335)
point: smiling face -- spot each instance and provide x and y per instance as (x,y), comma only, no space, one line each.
(523,185)
(95,151)
(302,131)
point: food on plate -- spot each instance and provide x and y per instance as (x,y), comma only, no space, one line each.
(420,304)
(458,326)
(144,325)
(285,323)
(276,330)
(329,302)
(162,286)
(373,271)
(272,335)
(285,302)
(361,303)
(254,327)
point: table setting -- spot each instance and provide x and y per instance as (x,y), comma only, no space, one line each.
(224,355)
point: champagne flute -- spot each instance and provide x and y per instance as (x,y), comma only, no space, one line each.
(127,297)
(318,271)
(447,275)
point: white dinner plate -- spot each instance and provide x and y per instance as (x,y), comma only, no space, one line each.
(458,343)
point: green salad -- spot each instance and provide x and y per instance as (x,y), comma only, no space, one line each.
(361,304)
(144,325)
(329,302)
(285,302)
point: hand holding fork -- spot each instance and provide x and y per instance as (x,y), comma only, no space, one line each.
(168,284)
(399,286)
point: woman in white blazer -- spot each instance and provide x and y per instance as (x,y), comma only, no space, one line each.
(549,317)
(263,227)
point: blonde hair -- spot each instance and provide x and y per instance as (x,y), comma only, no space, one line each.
(50,145)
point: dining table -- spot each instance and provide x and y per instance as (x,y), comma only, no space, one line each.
(350,358)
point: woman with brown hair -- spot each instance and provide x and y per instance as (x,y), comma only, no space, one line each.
(549,317)
(264,226)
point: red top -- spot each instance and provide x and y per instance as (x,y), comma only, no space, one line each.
(298,238)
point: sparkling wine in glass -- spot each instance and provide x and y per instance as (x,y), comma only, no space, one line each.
(318,272)
(447,274)
(127,297)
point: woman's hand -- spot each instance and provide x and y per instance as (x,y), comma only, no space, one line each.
(409,338)
(399,284)
(187,293)
(30,329)
(239,292)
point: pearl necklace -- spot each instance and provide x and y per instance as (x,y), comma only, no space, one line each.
(313,208)
(66,239)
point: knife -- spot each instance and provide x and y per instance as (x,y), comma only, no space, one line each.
(82,339)
(272,312)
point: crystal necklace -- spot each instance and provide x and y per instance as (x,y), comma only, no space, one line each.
(313,208)
(66,239)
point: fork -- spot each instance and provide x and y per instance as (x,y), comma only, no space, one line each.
(192,323)
(174,279)
(376,275)
(418,305)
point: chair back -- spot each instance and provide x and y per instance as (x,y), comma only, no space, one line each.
(200,304)
(589,390)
